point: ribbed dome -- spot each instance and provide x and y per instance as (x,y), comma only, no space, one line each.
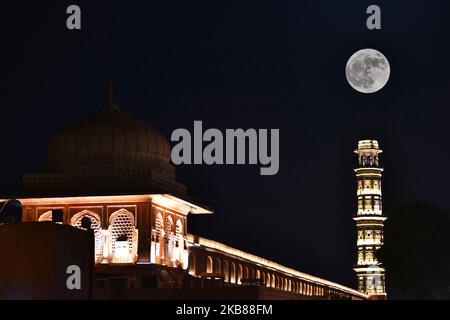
(112,140)
(108,152)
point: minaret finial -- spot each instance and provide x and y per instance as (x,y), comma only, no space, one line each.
(110,105)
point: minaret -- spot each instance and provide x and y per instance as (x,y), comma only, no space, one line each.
(369,220)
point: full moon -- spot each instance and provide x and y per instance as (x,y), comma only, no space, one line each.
(367,70)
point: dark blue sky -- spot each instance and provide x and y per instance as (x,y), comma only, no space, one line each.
(238,64)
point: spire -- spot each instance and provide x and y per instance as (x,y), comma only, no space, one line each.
(109,91)
(110,105)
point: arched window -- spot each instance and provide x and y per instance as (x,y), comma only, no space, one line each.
(192,263)
(179,245)
(217,266)
(95,226)
(375,184)
(233,273)
(360,257)
(179,239)
(122,237)
(239,274)
(209,264)
(226,271)
(169,238)
(246,275)
(159,227)
(157,239)
(168,231)
(369,257)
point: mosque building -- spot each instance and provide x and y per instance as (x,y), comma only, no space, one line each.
(116,171)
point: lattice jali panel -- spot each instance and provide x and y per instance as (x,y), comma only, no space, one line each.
(122,229)
(179,228)
(159,227)
(168,228)
(46,216)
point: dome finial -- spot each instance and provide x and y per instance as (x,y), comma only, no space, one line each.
(110,105)
(109,90)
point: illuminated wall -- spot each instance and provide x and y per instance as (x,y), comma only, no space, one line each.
(152,229)
(127,229)
(211,257)
(369,219)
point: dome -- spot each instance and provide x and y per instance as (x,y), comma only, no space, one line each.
(109,138)
(107,152)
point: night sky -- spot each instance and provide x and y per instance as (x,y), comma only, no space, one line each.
(245,65)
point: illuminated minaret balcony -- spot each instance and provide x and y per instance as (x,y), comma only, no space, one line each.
(369,219)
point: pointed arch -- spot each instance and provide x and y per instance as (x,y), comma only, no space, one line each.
(209,264)
(96,226)
(233,273)
(46,216)
(246,273)
(123,233)
(76,219)
(239,275)
(217,266)
(168,226)
(226,270)
(192,263)
(179,237)
(159,227)
(169,239)
(157,253)
(179,232)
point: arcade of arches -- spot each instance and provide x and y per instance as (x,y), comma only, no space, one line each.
(151,230)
